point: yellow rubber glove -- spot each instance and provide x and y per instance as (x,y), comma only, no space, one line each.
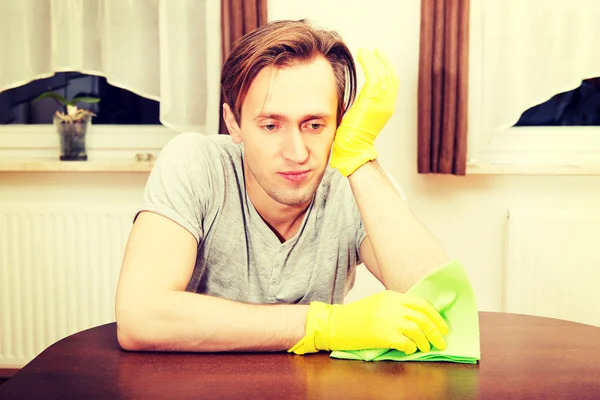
(354,143)
(386,320)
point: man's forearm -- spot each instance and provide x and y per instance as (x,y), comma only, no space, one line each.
(183,321)
(405,250)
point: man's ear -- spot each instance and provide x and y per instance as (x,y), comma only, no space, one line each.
(232,125)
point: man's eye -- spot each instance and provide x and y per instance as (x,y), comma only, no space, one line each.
(270,127)
(315,127)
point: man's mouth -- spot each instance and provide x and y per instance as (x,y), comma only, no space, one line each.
(295,176)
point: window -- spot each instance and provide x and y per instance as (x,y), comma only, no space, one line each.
(577,107)
(506,37)
(117,106)
(126,125)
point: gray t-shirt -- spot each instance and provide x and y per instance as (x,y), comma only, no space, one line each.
(198,182)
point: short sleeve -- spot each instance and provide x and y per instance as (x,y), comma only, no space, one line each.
(179,183)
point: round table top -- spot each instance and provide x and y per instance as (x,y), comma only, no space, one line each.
(521,357)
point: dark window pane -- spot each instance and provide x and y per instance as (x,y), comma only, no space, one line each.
(577,107)
(116,106)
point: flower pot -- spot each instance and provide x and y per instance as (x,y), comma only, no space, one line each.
(72,138)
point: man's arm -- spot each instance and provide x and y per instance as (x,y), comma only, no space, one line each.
(154,312)
(398,249)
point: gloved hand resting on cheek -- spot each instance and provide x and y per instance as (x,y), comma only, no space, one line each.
(354,143)
(389,320)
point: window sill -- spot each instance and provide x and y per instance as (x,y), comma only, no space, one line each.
(49,165)
(484,168)
(539,151)
(110,148)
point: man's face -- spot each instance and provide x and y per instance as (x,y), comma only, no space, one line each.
(288,124)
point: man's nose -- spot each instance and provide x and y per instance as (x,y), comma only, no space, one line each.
(294,148)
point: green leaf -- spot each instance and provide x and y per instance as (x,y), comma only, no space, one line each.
(53,95)
(84,99)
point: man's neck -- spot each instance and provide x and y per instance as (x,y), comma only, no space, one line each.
(283,220)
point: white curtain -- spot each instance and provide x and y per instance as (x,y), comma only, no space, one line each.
(165,50)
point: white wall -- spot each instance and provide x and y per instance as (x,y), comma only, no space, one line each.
(467,214)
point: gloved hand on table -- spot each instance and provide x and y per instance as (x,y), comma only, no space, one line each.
(354,143)
(388,319)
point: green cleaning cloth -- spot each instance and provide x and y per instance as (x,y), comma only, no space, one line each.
(448,289)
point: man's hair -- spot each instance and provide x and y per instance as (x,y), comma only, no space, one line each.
(282,44)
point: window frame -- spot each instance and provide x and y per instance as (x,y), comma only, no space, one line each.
(103,142)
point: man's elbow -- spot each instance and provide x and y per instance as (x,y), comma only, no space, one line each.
(126,340)
(127,334)
(131,332)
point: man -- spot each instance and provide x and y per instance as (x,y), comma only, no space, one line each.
(250,242)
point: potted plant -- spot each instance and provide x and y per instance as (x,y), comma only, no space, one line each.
(71,125)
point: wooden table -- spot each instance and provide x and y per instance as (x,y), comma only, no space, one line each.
(522,357)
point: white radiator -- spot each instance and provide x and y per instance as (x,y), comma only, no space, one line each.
(553,264)
(59,266)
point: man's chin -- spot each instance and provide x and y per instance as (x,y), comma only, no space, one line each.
(300,193)
(293,198)
(294,202)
